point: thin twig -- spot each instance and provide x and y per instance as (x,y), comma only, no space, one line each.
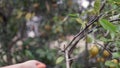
(102,7)
(91,22)
(103,47)
(82,33)
(86,53)
(79,33)
(115,20)
(73,58)
(67,59)
(71,46)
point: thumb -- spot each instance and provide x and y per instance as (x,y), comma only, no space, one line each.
(41,65)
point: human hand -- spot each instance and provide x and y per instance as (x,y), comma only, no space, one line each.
(33,64)
(27,64)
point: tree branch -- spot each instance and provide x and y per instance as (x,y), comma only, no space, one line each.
(103,47)
(67,59)
(81,34)
(102,7)
(115,20)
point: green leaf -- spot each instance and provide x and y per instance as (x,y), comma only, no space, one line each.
(109,63)
(104,39)
(74,15)
(27,41)
(89,39)
(112,35)
(118,28)
(29,54)
(97,6)
(116,55)
(41,53)
(59,60)
(116,0)
(49,57)
(81,22)
(107,25)
(113,1)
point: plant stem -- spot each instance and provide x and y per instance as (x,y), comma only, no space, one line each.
(67,59)
(86,53)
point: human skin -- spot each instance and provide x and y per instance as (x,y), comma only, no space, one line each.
(27,64)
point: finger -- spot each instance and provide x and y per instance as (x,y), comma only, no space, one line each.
(41,66)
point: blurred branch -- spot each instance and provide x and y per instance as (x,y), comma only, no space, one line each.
(67,59)
(86,53)
(65,18)
(15,39)
(81,34)
(71,46)
(103,47)
(115,20)
(103,5)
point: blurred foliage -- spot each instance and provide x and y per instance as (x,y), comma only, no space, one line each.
(59,19)
(13,17)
